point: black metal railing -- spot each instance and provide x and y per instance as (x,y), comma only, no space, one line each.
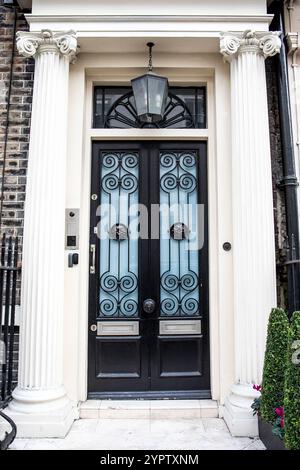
(9,331)
(9,277)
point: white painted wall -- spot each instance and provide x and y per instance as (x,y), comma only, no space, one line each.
(146,7)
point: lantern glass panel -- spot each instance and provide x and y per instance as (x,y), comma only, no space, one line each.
(150,93)
(157,93)
(140,91)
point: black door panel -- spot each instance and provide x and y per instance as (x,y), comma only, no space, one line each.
(133,348)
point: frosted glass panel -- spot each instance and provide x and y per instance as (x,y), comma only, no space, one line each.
(118,296)
(179,260)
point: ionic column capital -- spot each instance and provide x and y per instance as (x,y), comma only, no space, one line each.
(263,43)
(31,44)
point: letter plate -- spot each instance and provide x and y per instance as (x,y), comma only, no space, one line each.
(117,328)
(180,327)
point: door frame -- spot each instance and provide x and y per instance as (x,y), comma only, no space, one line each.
(203,263)
(219,223)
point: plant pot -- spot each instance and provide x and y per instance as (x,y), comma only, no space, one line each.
(270,441)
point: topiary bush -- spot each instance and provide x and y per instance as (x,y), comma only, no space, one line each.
(274,364)
(292,387)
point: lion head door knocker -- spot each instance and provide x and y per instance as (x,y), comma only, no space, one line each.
(118,232)
(179,231)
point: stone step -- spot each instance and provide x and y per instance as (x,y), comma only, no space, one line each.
(143,409)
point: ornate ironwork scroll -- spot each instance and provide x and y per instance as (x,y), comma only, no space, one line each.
(118,232)
(123,114)
(118,296)
(179,283)
(179,231)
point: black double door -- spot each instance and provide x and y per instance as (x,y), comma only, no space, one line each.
(148,287)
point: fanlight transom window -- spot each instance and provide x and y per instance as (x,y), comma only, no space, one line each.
(115,108)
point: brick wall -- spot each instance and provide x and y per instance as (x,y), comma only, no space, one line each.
(12,185)
(14,182)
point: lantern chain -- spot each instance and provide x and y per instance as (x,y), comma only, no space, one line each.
(150,45)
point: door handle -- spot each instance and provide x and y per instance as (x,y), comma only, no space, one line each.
(92,266)
(149,305)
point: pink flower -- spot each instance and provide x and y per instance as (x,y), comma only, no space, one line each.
(280,412)
(257,387)
(282,423)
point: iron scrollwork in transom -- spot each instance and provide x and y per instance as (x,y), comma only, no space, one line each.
(123,114)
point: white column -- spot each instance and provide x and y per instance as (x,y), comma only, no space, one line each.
(253,228)
(40,406)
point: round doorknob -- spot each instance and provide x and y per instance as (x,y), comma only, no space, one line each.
(149,305)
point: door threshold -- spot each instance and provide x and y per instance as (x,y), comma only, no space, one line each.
(151,395)
(149,409)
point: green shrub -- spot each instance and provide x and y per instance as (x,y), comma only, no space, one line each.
(274,364)
(292,387)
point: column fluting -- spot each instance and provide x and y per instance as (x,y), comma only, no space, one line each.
(40,381)
(252,204)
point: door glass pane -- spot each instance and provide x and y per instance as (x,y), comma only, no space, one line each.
(118,296)
(179,261)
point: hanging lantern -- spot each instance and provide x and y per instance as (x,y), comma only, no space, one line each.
(150,93)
